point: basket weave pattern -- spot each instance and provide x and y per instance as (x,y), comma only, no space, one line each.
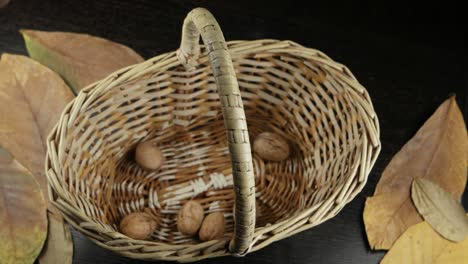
(296,92)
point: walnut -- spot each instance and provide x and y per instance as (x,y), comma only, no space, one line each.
(148,155)
(190,218)
(212,227)
(270,146)
(138,225)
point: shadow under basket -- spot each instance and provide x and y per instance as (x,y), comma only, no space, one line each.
(179,99)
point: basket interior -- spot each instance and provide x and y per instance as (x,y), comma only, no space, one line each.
(302,100)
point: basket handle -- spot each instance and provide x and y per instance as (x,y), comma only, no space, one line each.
(201,22)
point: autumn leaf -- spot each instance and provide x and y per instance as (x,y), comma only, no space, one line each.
(4,3)
(59,245)
(79,58)
(440,210)
(420,244)
(23,221)
(438,152)
(31,100)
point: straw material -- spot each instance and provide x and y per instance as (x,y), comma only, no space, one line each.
(178,99)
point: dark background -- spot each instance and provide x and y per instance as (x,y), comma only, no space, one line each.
(409,57)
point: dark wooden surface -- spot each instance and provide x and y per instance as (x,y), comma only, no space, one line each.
(410,59)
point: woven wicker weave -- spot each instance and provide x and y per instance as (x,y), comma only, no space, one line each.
(174,99)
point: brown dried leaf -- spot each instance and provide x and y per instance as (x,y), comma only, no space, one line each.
(420,244)
(440,210)
(438,152)
(79,58)
(23,221)
(31,100)
(59,245)
(4,3)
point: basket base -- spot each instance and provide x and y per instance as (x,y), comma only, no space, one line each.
(198,167)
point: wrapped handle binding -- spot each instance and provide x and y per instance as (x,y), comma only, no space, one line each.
(201,22)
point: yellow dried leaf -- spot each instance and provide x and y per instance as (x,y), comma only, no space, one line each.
(440,210)
(79,58)
(438,152)
(59,245)
(31,100)
(23,222)
(379,217)
(420,244)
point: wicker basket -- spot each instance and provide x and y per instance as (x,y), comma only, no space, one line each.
(174,99)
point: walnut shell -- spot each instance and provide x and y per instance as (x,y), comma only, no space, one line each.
(138,225)
(190,218)
(213,227)
(271,146)
(148,155)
